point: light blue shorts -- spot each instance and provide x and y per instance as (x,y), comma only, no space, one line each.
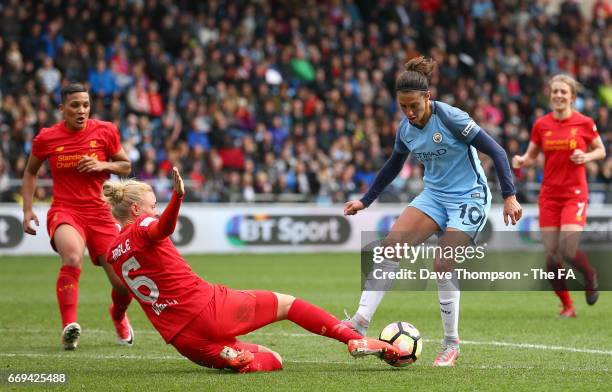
(466,214)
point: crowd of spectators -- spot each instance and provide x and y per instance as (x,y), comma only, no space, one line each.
(291,100)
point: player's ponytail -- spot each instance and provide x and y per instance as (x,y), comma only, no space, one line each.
(416,76)
(121,194)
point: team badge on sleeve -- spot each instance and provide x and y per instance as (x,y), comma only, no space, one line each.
(468,128)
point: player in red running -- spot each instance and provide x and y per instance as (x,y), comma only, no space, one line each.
(199,319)
(82,153)
(565,136)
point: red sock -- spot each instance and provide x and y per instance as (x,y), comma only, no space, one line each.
(120,304)
(565,298)
(263,362)
(581,263)
(317,320)
(67,290)
(558,285)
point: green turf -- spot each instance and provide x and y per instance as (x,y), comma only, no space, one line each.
(29,324)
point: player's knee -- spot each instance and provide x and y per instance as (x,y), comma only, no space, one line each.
(442,264)
(551,255)
(114,280)
(568,254)
(119,287)
(393,239)
(278,357)
(553,261)
(284,304)
(72,259)
(117,284)
(264,349)
(264,361)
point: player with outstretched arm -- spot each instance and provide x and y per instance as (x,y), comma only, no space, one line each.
(82,153)
(568,140)
(202,320)
(455,201)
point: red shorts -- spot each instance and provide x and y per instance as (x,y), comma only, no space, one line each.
(231,313)
(555,212)
(97,231)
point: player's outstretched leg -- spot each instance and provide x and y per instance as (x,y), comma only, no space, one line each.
(313,319)
(320,322)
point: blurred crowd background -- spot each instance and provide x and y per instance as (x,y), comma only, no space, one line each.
(292,100)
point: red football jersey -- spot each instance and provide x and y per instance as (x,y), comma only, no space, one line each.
(558,139)
(168,290)
(64,149)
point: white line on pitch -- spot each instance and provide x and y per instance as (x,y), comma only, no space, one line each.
(476,343)
(309,335)
(535,346)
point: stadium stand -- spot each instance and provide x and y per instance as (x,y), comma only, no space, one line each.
(287,101)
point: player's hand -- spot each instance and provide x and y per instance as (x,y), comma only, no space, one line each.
(179,186)
(29,216)
(512,210)
(89,164)
(352,207)
(578,157)
(518,161)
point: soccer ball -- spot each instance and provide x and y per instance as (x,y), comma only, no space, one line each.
(405,337)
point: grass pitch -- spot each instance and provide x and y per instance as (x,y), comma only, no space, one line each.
(511,340)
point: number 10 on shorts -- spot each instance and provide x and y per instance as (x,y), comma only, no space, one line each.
(471,215)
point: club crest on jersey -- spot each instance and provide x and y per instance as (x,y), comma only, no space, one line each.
(437,137)
(93,144)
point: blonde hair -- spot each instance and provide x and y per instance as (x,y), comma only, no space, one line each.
(564,78)
(121,194)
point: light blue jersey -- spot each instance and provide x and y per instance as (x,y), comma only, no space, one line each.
(452,167)
(456,192)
